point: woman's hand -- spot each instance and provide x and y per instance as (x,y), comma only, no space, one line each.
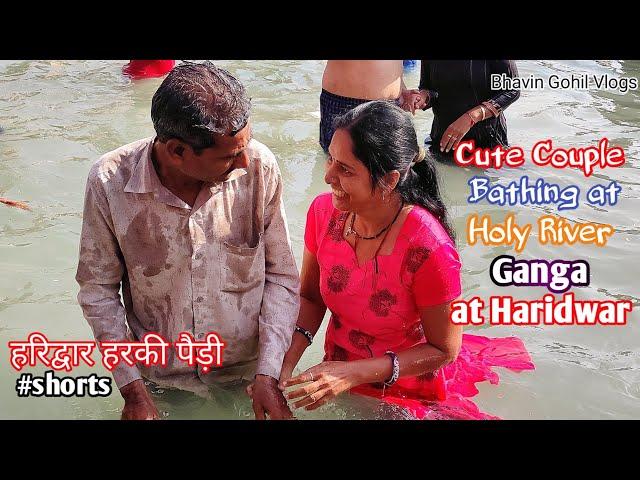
(324,382)
(285,374)
(454,134)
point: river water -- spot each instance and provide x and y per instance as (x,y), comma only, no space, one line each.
(59,116)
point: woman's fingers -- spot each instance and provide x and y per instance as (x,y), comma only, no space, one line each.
(449,138)
(310,399)
(306,376)
(451,141)
(444,141)
(319,403)
(304,391)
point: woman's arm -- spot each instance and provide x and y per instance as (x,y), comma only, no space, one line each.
(444,340)
(329,379)
(503,98)
(312,311)
(488,109)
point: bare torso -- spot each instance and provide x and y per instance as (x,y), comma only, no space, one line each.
(365,79)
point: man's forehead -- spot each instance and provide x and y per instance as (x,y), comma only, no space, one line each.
(235,138)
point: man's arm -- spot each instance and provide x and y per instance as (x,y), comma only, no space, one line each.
(99,274)
(281,301)
(280,304)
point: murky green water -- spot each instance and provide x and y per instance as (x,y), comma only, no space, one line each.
(59,116)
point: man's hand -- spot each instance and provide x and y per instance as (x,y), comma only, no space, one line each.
(268,399)
(285,374)
(138,404)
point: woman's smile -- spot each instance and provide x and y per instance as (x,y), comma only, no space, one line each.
(338,192)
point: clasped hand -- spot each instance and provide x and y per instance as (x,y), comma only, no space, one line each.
(412,100)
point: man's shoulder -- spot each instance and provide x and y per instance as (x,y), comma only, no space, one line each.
(263,163)
(115,167)
(262,153)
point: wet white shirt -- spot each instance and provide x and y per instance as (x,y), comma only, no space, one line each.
(225,265)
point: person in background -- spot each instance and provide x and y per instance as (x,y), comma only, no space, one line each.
(14,203)
(464,105)
(349,83)
(138,69)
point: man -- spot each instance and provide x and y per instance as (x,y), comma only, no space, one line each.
(192,224)
(348,83)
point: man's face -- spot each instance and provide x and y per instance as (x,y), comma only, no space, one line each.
(215,164)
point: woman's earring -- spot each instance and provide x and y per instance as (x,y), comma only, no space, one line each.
(383,196)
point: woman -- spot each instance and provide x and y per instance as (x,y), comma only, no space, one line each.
(464,104)
(379,253)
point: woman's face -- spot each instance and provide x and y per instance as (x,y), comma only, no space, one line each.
(350,180)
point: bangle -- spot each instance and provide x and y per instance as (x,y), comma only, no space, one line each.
(484,112)
(306,333)
(473,122)
(395,372)
(492,107)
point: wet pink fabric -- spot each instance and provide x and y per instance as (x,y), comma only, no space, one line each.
(138,69)
(372,312)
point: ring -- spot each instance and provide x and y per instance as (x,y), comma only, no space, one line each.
(311,373)
(313,399)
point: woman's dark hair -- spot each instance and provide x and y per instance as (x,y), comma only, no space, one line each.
(384,139)
(197,100)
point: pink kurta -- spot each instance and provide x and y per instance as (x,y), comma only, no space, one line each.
(372,313)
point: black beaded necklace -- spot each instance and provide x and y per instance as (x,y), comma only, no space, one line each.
(385,230)
(352,231)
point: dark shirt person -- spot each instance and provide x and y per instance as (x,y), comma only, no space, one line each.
(464,105)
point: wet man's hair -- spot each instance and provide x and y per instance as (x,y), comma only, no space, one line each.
(197,100)
(384,139)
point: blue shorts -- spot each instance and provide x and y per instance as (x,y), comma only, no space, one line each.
(332,106)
